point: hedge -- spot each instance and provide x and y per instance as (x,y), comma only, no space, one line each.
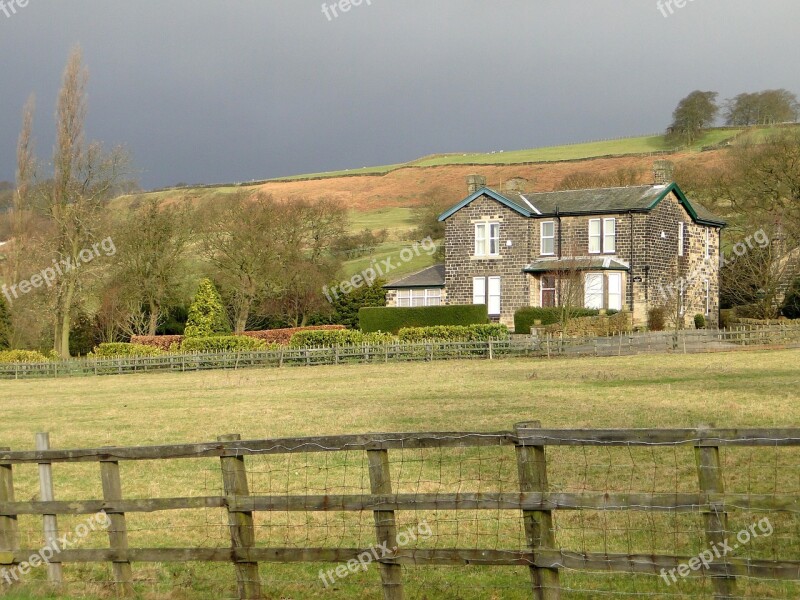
(113,350)
(603,325)
(22,356)
(283,336)
(453,333)
(164,342)
(223,343)
(525,318)
(382,318)
(342,337)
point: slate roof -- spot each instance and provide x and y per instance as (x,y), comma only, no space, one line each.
(592,202)
(577,264)
(432,277)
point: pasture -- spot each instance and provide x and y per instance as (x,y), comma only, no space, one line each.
(753,389)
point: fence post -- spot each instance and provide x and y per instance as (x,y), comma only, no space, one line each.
(243,537)
(9,528)
(532,467)
(117,530)
(50,522)
(385,524)
(709,471)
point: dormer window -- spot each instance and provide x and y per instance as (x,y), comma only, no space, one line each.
(487,239)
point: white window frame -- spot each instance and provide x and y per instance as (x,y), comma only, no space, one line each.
(681,238)
(708,243)
(597,237)
(586,302)
(682,298)
(479,290)
(609,248)
(487,238)
(405,297)
(613,294)
(551,237)
(708,297)
(494,296)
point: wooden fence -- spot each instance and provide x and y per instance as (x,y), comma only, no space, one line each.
(543,555)
(548,346)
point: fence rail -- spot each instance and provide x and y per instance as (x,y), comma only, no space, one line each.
(547,346)
(548,554)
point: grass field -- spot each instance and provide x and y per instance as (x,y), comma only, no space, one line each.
(756,389)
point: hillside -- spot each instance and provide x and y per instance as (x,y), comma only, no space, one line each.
(384,197)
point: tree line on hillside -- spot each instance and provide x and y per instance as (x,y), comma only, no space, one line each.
(77,271)
(700,110)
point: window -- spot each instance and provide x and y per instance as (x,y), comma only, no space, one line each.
(487,239)
(486,290)
(609,236)
(494,296)
(615,291)
(602,236)
(421,297)
(548,238)
(681,237)
(681,300)
(479,290)
(708,297)
(548,291)
(593,291)
(595,236)
(708,243)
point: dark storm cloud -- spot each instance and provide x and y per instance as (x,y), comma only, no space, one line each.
(212,91)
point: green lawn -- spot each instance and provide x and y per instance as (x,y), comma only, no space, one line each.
(743,389)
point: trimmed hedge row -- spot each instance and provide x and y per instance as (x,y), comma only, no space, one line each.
(342,337)
(283,336)
(223,343)
(599,326)
(525,318)
(383,318)
(118,349)
(164,342)
(22,356)
(454,333)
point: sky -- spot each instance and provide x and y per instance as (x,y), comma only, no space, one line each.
(213,91)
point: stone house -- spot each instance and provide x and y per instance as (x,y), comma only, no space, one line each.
(630,248)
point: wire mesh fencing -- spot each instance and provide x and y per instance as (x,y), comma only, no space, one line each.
(524,513)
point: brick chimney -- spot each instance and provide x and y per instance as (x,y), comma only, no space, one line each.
(475,182)
(663,172)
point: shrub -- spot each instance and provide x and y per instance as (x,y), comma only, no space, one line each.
(384,318)
(284,336)
(699,321)
(164,342)
(22,356)
(341,337)
(346,306)
(5,324)
(223,343)
(791,304)
(453,333)
(207,313)
(657,319)
(726,318)
(601,325)
(525,318)
(117,349)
